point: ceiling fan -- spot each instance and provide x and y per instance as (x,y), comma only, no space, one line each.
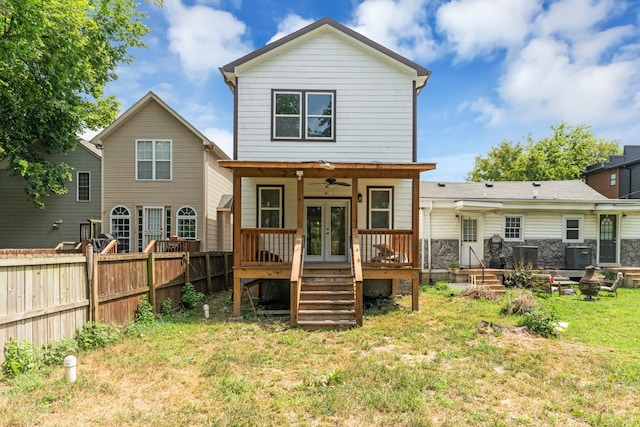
(333,181)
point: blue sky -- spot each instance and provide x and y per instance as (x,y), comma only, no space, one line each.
(502,69)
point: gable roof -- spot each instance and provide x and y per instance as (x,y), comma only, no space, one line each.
(324,24)
(630,156)
(571,190)
(135,108)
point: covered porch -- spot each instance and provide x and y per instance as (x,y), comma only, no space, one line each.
(285,253)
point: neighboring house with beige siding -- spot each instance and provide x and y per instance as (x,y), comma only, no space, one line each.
(64,217)
(553,224)
(161,178)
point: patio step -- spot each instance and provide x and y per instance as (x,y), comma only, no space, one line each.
(327,300)
(487,280)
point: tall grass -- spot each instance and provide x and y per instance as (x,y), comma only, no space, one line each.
(435,367)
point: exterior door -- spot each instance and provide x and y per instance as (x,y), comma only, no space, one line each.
(608,238)
(326,230)
(151,225)
(470,241)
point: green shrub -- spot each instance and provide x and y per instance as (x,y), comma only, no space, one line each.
(541,322)
(55,352)
(19,357)
(190,297)
(144,313)
(167,307)
(96,335)
(521,276)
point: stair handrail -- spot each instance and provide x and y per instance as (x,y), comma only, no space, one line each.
(297,266)
(356,271)
(482,266)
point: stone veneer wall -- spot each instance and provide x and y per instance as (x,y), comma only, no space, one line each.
(442,251)
(551,252)
(630,253)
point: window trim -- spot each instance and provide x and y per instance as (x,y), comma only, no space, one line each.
(520,228)
(127,217)
(389,189)
(154,141)
(78,187)
(571,217)
(193,217)
(613,179)
(304,114)
(259,189)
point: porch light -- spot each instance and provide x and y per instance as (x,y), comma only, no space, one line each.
(359,197)
(299,174)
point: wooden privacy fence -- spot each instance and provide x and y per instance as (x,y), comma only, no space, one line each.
(47,297)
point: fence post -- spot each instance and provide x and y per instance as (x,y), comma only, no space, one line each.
(226,271)
(207,268)
(187,267)
(89,252)
(151,279)
(94,289)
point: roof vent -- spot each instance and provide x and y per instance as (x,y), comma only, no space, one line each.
(536,184)
(488,184)
(441,184)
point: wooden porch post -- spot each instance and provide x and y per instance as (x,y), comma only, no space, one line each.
(415,226)
(237,244)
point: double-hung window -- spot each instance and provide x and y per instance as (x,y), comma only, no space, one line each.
(572,228)
(270,201)
(153,159)
(83,187)
(303,115)
(380,208)
(513,228)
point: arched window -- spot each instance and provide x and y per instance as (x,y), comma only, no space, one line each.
(121,227)
(186,221)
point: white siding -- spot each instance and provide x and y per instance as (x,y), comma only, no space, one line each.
(373,105)
(444,225)
(630,227)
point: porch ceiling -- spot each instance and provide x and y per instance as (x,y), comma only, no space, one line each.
(320,169)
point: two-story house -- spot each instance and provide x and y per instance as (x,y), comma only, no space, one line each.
(325,171)
(161,179)
(618,178)
(66,218)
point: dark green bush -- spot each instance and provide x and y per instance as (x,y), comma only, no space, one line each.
(55,352)
(96,335)
(521,276)
(19,357)
(541,322)
(190,297)
(144,313)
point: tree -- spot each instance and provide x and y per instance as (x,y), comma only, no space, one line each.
(56,57)
(564,155)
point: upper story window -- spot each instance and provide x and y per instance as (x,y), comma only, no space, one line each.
(380,208)
(572,226)
(186,223)
(513,228)
(83,193)
(153,159)
(303,115)
(612,179)
(270,205)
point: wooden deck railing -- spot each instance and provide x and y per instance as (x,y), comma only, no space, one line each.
(172,245)
(297,266)
(267,246)
(385,248)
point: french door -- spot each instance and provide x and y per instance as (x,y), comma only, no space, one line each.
(326,231)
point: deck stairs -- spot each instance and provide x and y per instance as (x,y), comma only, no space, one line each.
(327,298)
(490,280)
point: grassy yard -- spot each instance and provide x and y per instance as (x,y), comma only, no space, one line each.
(436,367)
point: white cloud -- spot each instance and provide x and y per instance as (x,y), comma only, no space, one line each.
(204,38)
(477,27)
(290,24)
(573,17)
(486,111)
(400,25)
(222,138)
